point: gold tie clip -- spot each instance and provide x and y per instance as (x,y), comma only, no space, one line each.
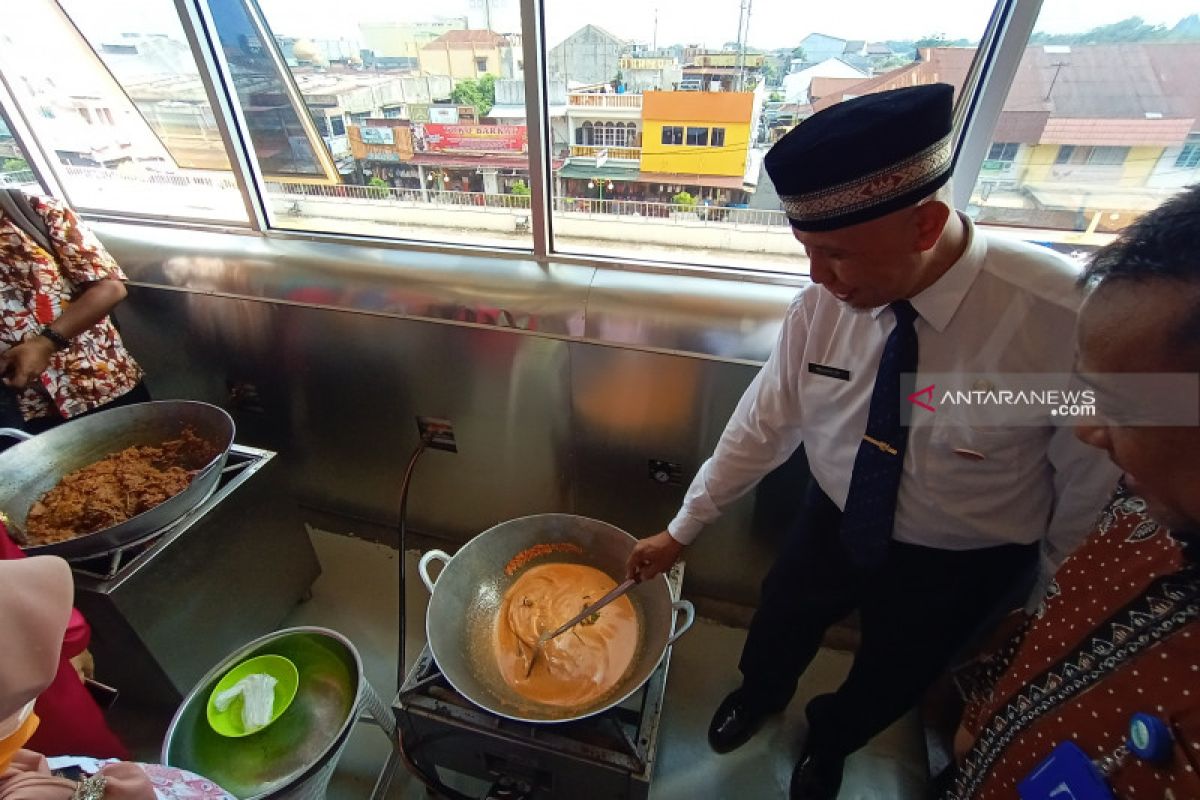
(884,446)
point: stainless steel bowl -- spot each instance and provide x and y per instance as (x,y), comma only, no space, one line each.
(296,749)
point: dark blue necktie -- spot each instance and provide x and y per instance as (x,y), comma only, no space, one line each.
(871,503)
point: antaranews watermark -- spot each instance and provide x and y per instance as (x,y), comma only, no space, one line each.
(1039,399)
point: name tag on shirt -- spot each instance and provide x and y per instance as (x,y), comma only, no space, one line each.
(829,372)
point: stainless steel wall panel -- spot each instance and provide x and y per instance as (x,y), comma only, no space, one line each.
(337,395)
(723,317)
(561,382)
(631,407)
(496,292)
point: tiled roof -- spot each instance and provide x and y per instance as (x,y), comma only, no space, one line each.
(466,39)
(1111,91)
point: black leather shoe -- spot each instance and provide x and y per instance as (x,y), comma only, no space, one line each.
(736,720)
(816,777)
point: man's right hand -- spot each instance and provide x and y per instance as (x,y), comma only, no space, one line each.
(653,556)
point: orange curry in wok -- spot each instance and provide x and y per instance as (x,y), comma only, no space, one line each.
(578,667)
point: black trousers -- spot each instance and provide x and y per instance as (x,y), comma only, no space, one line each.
(916,611)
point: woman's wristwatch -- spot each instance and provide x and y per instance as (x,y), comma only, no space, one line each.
(60,342)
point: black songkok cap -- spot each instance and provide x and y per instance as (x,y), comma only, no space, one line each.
(864,158)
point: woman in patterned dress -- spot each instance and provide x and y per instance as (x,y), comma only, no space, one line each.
(35,606)
(61,354)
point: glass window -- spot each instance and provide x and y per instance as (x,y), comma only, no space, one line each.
(689,186)
(1003,151)
(15,172)
(120,106)
(1103,108)
(427,137)
(1189,154)
(1112,156)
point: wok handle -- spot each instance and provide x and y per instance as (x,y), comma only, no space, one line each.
(423,566)
(689,616)
(16,433)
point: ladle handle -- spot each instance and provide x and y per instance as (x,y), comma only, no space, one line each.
(423,566)
(689,616)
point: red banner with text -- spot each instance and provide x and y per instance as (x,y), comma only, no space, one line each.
(435,137)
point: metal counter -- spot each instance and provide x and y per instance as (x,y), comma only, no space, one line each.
(230,571)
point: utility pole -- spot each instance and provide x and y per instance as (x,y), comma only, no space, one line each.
(743,35)
(654,40)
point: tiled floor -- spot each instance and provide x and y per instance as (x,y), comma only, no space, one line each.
(356,595)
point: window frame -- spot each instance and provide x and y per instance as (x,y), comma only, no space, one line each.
(1189,154)
(696,136)
(672,135)
(714,135)
(976,113)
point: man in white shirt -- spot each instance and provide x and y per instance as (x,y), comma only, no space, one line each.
(899,370)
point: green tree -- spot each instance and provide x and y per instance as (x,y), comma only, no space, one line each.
(378,187)
(1133,29)
(14,165)
(479,93)
(892,62)
(771,73)
(940,40)
(519,188)
(685,200)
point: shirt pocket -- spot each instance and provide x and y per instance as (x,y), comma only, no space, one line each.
(961,461)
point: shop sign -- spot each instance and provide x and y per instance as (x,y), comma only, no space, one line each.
(434,137)
(418,112)
(377,135)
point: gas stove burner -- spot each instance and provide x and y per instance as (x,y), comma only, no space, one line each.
(610,754)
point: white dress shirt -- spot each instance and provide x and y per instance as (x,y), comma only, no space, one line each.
(1004,307)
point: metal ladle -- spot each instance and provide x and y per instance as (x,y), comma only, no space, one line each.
(578,618)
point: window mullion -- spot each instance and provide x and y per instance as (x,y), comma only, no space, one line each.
(533,43)
(1012,25)
(217,90)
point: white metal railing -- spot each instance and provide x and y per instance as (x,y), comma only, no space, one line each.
(616,152)
(632,210)
(20,177)
(389,195)
(597,100)
(626,210)
(222,182)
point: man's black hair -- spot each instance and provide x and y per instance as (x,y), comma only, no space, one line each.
(1163,245)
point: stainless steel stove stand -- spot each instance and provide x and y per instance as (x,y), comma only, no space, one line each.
(226,573)
(610,755)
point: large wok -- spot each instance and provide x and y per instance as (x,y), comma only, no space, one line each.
(34,466)
(468,593)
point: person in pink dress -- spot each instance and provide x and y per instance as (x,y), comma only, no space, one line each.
(35,610)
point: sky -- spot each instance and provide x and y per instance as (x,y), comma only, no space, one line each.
(773,23)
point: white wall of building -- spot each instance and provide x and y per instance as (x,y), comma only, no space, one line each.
(796,84)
